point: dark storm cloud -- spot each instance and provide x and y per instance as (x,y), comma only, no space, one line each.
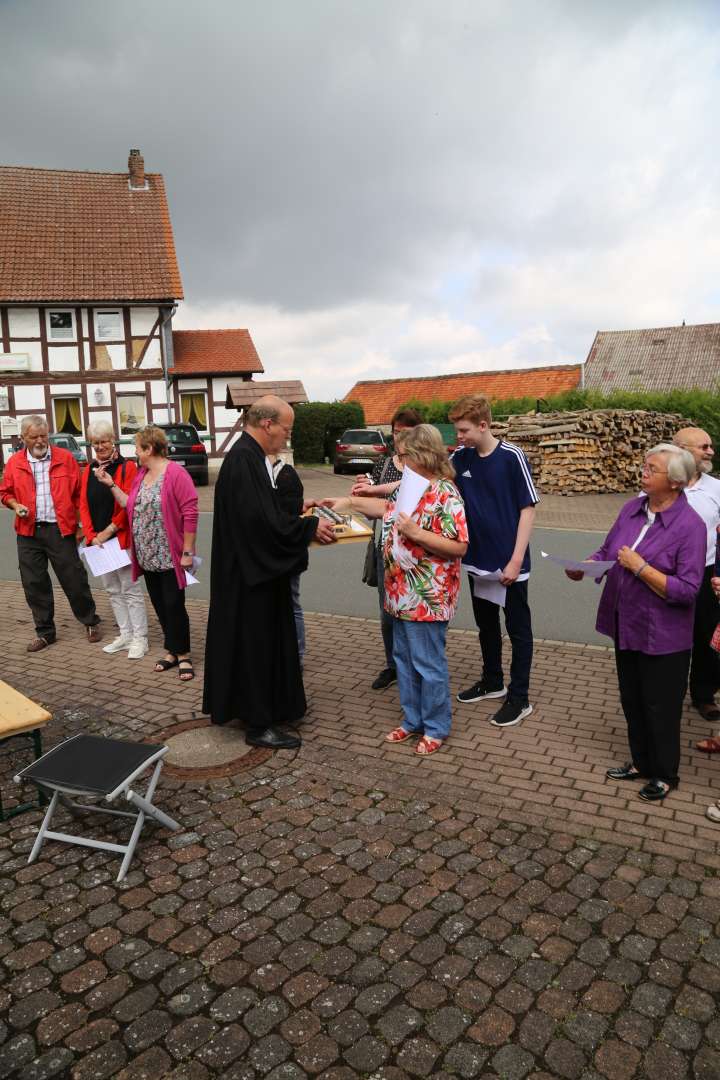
(322,156)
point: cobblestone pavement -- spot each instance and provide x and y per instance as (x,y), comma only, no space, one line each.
(495,911)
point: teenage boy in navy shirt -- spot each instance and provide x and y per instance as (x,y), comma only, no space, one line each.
(496,485)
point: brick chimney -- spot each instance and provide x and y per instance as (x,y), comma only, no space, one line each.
(136,169)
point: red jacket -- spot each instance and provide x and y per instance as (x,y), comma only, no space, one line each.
(18,483)
(124,477)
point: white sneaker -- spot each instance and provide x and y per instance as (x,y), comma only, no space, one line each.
(138,648)
(713,812)
(118,644)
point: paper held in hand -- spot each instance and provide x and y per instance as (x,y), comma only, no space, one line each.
(592,569)
(411,490)
(105,559)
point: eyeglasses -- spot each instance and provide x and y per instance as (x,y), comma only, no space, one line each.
(102,442)
(653,471)
(286,429)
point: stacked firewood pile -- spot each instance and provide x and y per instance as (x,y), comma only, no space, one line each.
(594,451)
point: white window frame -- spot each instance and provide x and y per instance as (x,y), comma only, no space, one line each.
(52,339)
(99,337)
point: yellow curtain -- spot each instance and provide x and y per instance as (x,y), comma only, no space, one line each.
(194,410)
(73,405)
(61,413)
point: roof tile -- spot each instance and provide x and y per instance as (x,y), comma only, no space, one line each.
(210,352)
(73,236)
(664,358)
(380,398)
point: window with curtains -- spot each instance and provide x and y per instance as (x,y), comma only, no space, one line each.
(131,413)
(193,409)
(68,415)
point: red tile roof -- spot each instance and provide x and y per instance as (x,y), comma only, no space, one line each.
(380,398)
(214,352)
(73,236)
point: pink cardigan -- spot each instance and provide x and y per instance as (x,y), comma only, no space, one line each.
(179,506)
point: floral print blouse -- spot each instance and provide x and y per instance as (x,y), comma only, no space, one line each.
(152,549)
(429,591)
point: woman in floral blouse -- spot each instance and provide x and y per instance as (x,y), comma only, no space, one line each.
(422,553)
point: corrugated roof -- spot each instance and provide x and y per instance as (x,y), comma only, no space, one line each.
(380,398)
(73,236)
(664,358)
(209,352)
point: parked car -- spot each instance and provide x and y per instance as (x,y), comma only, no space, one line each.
(186,448)
(69,442)
(359,448)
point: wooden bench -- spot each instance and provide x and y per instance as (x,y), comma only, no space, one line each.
(21,718)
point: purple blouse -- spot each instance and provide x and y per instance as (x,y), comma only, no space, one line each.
(629,611)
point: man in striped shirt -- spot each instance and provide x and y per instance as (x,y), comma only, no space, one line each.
(496,485)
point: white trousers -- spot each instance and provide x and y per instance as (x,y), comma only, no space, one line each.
(127,601)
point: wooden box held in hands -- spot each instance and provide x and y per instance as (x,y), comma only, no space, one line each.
(347,528)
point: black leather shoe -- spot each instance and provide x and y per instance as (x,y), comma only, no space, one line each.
(623,772)
(274,739)
(655,791)
(386,678)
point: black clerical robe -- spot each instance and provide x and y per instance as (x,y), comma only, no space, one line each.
(252,666)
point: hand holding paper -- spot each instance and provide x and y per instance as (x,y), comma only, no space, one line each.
(411,490)
(102,560)
(593,569)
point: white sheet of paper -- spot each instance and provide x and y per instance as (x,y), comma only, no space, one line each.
(487,587)
(102,560)
(411,490)
(356,526)
(592,569)
(189,579)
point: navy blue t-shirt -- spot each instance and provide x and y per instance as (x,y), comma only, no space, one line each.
(495,489)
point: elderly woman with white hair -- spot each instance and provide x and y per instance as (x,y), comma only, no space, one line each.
(658,544)
(103,518)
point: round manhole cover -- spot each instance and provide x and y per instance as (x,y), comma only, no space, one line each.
(206,746)
(199,749)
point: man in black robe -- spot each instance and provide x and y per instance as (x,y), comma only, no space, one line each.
(252,666)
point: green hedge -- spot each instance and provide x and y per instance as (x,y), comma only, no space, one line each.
(318,424)
(699,406)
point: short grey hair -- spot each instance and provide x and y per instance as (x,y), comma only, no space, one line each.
(257,413)
(32,421)
(681,466)
(100,429)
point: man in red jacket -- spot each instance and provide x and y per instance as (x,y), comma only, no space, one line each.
(41,485)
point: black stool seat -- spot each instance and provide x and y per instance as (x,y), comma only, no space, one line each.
(89,763)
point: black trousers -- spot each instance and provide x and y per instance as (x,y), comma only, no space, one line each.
(652,689)
(168,601)
(518,624)
(705,664)
(48,545)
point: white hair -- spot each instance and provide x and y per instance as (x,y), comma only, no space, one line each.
(99,429)
(32,421)
(681,468)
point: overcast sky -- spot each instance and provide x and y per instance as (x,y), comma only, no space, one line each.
(397,187)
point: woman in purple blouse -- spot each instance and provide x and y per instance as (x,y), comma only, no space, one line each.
(647,609)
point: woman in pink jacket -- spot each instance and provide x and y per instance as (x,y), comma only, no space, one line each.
(162,509)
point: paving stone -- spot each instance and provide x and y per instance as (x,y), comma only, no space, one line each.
(147,1029)
(565,1059)
(266,1015)
(417,1056)
(466,1059)
(493,1027)
(513,1063)
(17,1051)
(52,1063)
(104,1062)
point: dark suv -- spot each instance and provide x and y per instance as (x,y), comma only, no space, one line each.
(186,447)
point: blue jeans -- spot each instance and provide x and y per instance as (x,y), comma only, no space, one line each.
(298,614)
(422,676)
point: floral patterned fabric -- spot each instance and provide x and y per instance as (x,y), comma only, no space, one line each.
(152,549)
(429,591)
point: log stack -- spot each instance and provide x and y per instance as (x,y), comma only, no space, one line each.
(594,451)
